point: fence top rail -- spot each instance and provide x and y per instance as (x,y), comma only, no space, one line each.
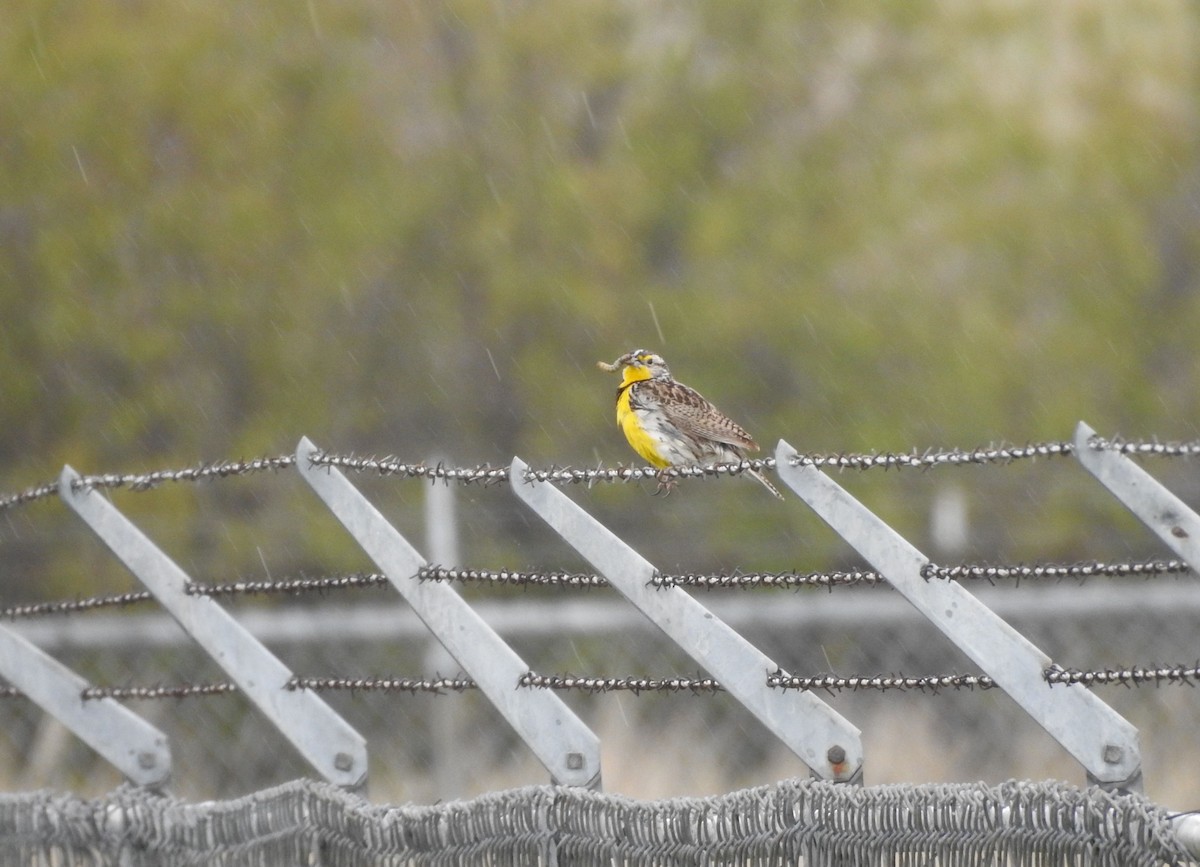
(485,474)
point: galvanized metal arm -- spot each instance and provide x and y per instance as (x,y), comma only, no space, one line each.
(1160,510)
(331,746)
(561,741)
(129,743)
(1097,736)
(825,741)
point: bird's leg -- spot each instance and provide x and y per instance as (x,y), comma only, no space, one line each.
(666,483)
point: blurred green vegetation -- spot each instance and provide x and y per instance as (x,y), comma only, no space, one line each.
(410,229)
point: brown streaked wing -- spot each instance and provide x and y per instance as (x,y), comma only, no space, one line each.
(688,410)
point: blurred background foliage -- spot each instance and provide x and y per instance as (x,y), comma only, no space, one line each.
(411,229)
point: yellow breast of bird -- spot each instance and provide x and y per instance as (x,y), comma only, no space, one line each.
(639,436)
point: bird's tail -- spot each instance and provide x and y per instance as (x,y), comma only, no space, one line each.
(774,490)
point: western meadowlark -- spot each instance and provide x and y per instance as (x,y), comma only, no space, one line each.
(670,424)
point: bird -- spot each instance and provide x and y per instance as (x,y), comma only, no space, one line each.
(670,424)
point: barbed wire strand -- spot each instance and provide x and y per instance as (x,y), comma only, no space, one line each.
(437,685)
(637,685)
(149,693)
(489,475)
(1079,572)
(292,586)
(147,481)
(1128,677)
(512,577)
(1131,676)
(74,606)
(927,684)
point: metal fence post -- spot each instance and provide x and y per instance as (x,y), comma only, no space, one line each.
(129,743)
(1097,736)
(569,750)
(331,746)
(824,740)
(451,768)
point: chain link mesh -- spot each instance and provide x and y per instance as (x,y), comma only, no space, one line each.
(802,822)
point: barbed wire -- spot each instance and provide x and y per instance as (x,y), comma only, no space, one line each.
(512,577)
(784,579)
(1136,676)
(486,474)
(833,683)
(437,684)
(1146,448)
(790,579)
(1132,676)
(706,581)
(74,606)
(146,481)
(1079,571)
(149,693)
(29,495)
(637,685)
(936,457)
(291,586)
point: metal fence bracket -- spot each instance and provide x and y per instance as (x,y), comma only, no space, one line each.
(125,740)
(1097,736)
(1155,506)
(569,750)
(334,749)
(824,740)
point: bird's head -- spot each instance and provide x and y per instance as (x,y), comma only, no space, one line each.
(638,364)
